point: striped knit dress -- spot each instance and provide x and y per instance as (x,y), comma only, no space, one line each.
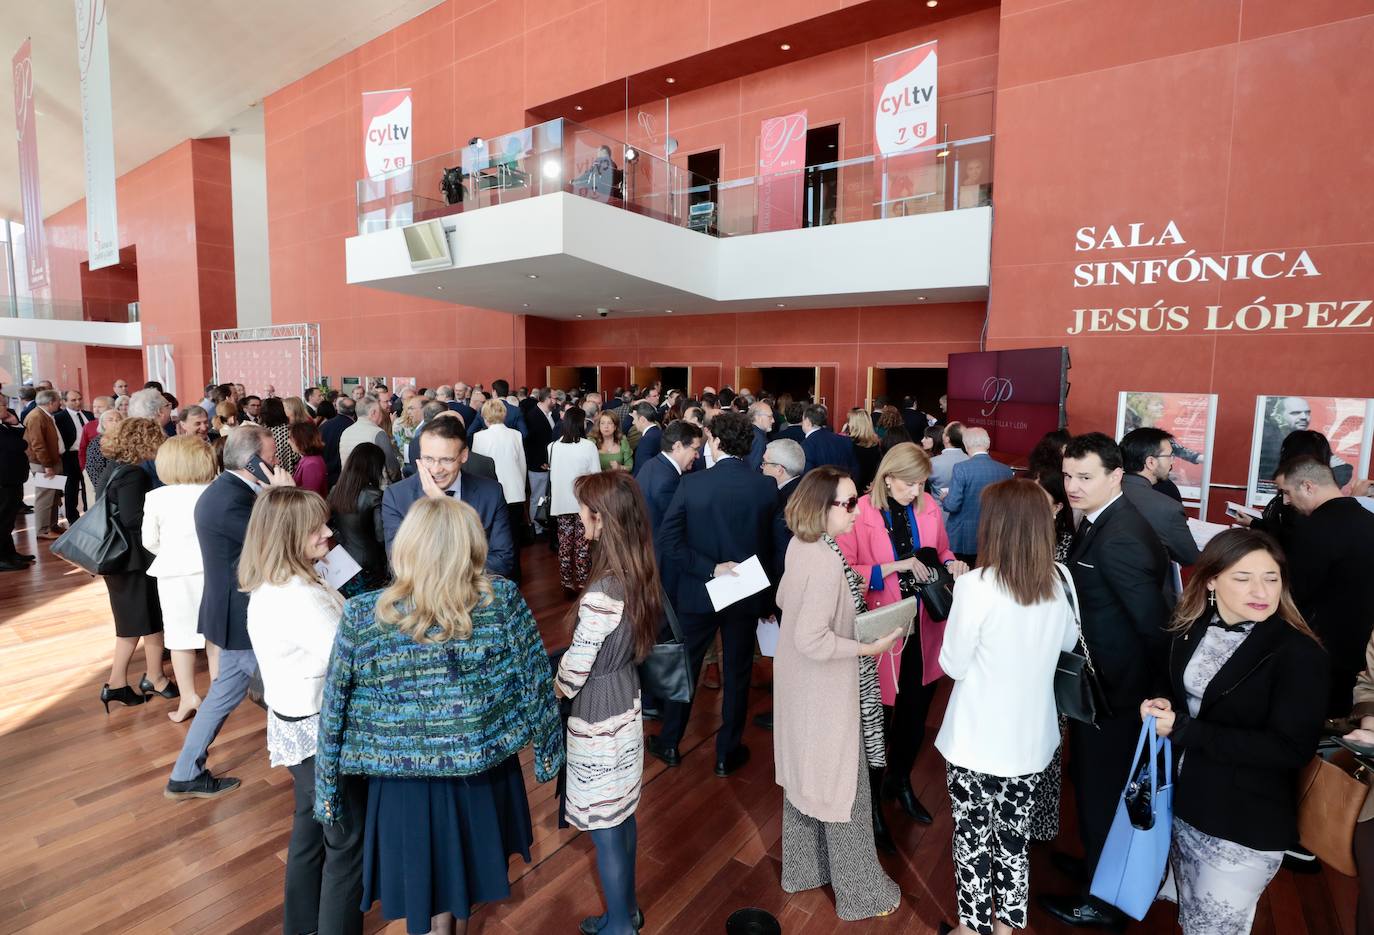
(605,748)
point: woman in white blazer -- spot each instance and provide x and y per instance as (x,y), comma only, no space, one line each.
(570,457)
(186,466)
(293,617)
(506,447)
(1011,618)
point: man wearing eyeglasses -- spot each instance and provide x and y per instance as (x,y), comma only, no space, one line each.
(439,473)
(1147,454)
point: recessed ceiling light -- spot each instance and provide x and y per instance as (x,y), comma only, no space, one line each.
(579,314)
(782,305)
(439,288)
(668,311)
(527,305)
(533,275)
(670,80)
(785,47)
(578,107)
(921,298)
(932,3)
(617,298)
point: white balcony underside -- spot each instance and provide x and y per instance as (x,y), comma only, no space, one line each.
(97,333)
(585,253)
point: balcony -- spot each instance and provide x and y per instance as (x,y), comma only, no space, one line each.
(560,221)
(64,323)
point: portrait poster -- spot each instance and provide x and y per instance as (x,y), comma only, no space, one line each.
(1345,421)
(1191,419)
(348,384)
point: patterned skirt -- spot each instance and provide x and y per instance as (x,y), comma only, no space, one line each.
(605,765)
(574,552)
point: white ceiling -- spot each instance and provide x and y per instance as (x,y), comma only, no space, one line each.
(179,69)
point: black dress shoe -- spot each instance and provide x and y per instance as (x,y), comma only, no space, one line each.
(732,761)
(1083,912)
(15,565)
(764,720)
(23,557)
(593,924)
(171,691)
(1072,867)
(204,786)
(900,789)
(668,755)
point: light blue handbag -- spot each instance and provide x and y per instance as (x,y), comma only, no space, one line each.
(1136,855)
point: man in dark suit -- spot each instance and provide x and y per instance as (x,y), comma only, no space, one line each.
(540,422)
(71,419)
(476,465)
(914,419)
(515,419)
(331,431)
(660,475)
(1118,567)
(794,430)
(716,520)
(823,446)
(761,416)
(644,416)
(443,449)
(1329,564)
(785,462)
(1146,455)
(222,514)
(963,503)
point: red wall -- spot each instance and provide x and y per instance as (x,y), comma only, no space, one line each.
(175,210)
(1239,121)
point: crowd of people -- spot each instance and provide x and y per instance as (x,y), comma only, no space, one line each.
(400,700)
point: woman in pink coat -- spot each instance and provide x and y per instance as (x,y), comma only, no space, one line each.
(896,518)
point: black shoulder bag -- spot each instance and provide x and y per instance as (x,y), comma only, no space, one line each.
(1077,692)
(667,671)
(96,542)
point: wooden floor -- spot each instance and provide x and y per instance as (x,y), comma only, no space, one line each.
(90,844)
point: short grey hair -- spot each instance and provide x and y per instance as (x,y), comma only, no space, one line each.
(46,397)
(444,392)
(147,404)
(368,405)
(788,455)
(108,418)
(189,411)
(241,444)
(431,410)
(975,437)
(756,408)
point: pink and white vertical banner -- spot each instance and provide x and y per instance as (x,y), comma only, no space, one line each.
(97,125)
(905,94)
(26,128)
(387,151)
(782,162)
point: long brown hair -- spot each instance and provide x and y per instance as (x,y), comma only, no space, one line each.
(624,551)
(1016,539)
(1221,553)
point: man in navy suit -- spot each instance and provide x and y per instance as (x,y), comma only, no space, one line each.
(716,520)
(963,503)
(331,431)
(443,449)
(914,419)
(761,415)
(221,516)
(822,446)
(71,419)
(659,477)
(644,416)
(476,465)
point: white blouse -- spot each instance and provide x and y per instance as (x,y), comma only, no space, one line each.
(292,627)
(566,464)
(1001,719)
(506,447)
(169,530)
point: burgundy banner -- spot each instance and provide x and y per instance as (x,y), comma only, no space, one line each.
(782,162)
(1016,395)
(28,168)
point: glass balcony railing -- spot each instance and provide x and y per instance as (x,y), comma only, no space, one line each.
(564,156)
(41,309)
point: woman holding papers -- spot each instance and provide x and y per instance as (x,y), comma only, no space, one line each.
(896,519)
(293,617)
(827,720)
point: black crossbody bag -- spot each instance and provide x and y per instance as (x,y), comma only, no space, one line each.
(1077,692)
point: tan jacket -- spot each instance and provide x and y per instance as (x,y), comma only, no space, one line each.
(1364,706)
(816,685)
(45,444)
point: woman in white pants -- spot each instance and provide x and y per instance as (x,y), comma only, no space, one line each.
(186,466)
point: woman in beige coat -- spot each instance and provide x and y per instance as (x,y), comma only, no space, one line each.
(827,708)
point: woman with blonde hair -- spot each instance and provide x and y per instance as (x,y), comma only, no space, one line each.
(226,417)
(293,617)
(867,448)
(186,466)
(441,679)
(505,446)
(96,462)
(898,519)
(133,595)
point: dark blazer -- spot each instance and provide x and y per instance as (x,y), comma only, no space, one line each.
(14,458)
(755,458)
(658,478)
(538,439)
(916,423)
(782,535)
(481,494)
(823,447)
(1118,568)
(467,412)
(963,503)
(68,429)
(650,445)
(794,432)
(1328,559)
(1257,728)
(222,514)
(476,465)
(721,515)
(1165,516)
(362,535)
(330,432)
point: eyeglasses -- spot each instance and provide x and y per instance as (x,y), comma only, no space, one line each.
(849,505)
(445,463)
(769,464)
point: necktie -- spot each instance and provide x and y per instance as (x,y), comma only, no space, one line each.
(1080,534)
(449,493)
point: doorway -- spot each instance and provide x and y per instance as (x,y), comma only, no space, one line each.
(822,177)
(108,294)
(705,170)
(585,379)
(924,384)
(801,383)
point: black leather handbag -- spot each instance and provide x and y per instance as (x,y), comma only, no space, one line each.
(96,542)
(937,593)
(666,673)
(1077,692)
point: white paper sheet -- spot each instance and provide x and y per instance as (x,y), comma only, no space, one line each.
(749,578)
(56,482)
(1203,533)
(1239,509)
(338,567)
(768,636)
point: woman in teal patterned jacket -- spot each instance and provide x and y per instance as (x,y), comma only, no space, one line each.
(434,686)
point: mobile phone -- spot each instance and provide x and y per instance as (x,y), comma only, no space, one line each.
(258,468)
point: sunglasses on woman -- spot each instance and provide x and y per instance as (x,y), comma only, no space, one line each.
(848,505)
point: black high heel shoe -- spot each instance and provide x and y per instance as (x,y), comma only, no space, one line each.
(125,696)
(171,691)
